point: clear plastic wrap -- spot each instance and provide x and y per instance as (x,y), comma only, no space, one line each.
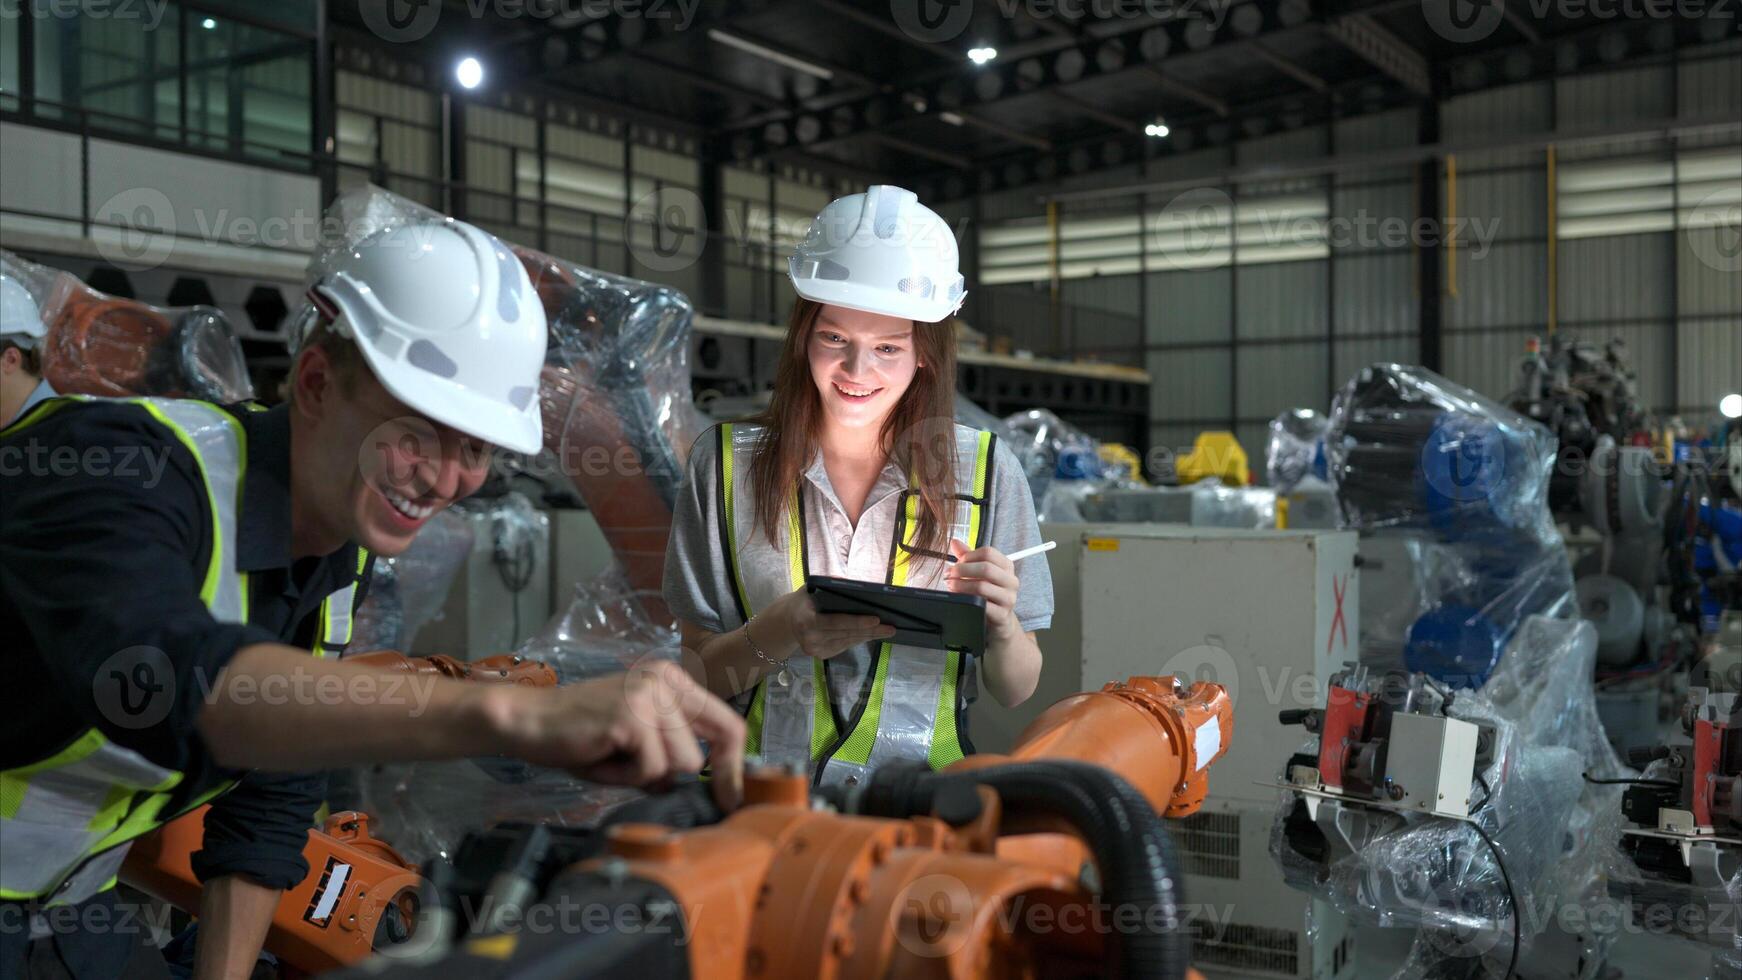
(1296,450)
(1406,447)
(1703,911)
(1064,463)
(618,413)
(407,591)
(1466,480)
(1035,466)
(619,418)
(1214,505)
(105,345)
(1549,825)
(1143,505)
(425,809)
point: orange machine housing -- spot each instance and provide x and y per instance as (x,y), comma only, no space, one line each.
(785,888)
(327,921)
(331,918)
(780,889)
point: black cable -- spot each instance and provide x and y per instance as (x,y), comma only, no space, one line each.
(1487,794)
(1511,897)
(1631,782)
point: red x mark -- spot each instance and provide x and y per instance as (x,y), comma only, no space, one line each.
(1338,622)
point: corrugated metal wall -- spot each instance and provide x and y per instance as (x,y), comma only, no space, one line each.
(1233,344)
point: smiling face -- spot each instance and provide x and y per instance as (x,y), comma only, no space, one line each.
(862,363)
(384,469)
(410,469)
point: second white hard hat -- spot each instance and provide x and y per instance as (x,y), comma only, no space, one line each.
(448,322)
(20,320)
(883,252)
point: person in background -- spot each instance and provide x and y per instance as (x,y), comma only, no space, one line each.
(858,470)
(22,385)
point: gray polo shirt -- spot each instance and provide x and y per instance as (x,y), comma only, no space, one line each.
(699,591)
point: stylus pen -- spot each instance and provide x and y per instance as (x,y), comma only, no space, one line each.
(1037,549)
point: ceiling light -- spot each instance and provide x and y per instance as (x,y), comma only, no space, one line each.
(951,118)
(209,24)
(1731,406)
(1158,130)
(980,56)
(769,54)
(469,72)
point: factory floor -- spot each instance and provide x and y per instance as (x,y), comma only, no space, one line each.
(1635,957)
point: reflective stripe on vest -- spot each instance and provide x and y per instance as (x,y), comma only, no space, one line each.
(915,700)
(336,613)
(66,821)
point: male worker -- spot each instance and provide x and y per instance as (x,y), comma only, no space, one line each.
(166,567)
(21,333)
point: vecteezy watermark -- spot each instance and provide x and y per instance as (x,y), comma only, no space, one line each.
(1465,460)
(138,687)
(666,229)
(154,919)
(135,228)
(1464,919)
(1714,230)
(403,21)
(937,21)
(138,228)
(143,465)
(1469,21)
(135,687)
(1208,662)
(937,914)
(147,13)
(1204,228)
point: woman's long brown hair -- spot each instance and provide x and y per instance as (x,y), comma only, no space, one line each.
(919,434)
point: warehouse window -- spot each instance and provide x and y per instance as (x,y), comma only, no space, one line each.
(1633,196)
(126,67)
(125,77)
(9,41)
(247,88)
(1199,229)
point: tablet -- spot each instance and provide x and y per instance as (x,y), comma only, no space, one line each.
(921,617)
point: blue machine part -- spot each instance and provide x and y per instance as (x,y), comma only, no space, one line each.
(1321,464)
(1721,551)
(1456,645)
(1477,475)
(1080,463)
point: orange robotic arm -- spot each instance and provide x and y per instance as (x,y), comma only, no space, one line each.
(1051,862)
(360,893)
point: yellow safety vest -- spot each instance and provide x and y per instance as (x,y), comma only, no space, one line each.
(66,821)
(917,702)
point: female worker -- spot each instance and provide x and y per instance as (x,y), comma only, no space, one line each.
(857,470)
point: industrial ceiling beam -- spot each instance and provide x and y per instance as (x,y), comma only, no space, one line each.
(919,150)
(1092,110)
(1521,25)
(841,72)
(884,26)
(708,82)
(1085,59)
(549,49)
(1596,49)
(1008,132)
(1187,92)
(1288,67)
(1364,36)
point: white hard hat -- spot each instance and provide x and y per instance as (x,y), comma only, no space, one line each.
(883,252)
(20,321)
(447,319)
